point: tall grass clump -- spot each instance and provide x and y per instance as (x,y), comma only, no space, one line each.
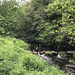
(16,60)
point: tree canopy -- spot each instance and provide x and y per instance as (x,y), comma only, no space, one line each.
(45,23)
(11,17)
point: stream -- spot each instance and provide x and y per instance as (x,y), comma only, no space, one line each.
(61,61)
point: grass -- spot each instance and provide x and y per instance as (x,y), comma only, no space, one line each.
(16,60)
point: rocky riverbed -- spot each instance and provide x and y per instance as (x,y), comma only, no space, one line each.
(63,62)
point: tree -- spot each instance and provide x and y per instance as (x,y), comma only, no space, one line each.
(12,22)
(2,30)
(34,14)
(61,15)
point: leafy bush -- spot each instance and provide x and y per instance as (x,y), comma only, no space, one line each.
(16,60)
(61,17)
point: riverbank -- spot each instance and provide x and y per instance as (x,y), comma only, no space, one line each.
(16,60)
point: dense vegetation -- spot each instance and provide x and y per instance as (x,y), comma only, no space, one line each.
(44,24)
(51,24)
(16,60)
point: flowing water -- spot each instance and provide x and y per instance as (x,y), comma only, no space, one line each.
(63,62)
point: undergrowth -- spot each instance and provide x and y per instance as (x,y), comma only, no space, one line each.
(16,60)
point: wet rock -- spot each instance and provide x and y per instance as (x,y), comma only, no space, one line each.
(62,53)
(58,56)
(34,52)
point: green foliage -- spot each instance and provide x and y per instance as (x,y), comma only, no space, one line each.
(47,33)
(48,22)
(34,14)
(61,17)
(16,60)
(2,31)
(10,55)
(11,19)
